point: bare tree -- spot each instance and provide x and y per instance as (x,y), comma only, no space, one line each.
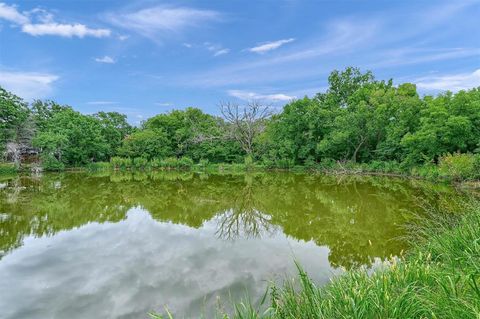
(244,219)
(246,122)
(21,141)
(13,151)
(200,135)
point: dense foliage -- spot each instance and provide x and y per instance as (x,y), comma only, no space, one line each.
(366,120)
(357,120)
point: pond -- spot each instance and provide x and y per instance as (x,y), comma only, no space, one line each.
(120,245)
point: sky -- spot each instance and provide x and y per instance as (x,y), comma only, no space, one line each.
(142,58)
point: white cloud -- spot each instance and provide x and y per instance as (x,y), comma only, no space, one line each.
(105,59)
(221,52)
(28,85)
(342,37)
(164,104)
(41,15)
(101,103)
(157,21)
(216,49)
(64,30)
(452,82)
(407,56)
(270,46)
(10,13)
(47,25)
(245,95)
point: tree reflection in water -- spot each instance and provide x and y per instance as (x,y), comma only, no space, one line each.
(358,218)
(244,219)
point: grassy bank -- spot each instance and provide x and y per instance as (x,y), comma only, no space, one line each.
(438,278)
(451,167)
(457,167)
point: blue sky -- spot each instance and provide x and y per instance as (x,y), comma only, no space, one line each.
(147,57)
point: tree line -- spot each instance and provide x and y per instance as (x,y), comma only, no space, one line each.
(358,119)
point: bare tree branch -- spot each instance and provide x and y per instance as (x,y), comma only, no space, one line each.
(246,122)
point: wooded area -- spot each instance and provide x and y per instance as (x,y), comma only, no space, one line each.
(357,120)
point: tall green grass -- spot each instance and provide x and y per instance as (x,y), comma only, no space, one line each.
(140,163)
(98,166)
(451,167)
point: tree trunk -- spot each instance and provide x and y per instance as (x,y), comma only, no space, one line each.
(354,157)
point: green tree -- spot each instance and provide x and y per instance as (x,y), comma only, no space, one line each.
(192,133)
(347,99)
(13,114)
(43,111)
(76,139)
(114,129)
(294,133)
(148,143)
(449,123)
(343,84)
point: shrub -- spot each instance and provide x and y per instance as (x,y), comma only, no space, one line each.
(7,168)
(116,162)
(392,167)
(203,164)
(458,166)
(127,163)
(51,163)
(476,166)
(376,166)
(428,171)
(156,163)
(310,163)
(185,163)
(140,163)
(121,163)
(248,161)
(285,163)
(268,163)
(169,162)
(98,166)
(327,163)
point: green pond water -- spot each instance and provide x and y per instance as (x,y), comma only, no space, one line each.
(80,245)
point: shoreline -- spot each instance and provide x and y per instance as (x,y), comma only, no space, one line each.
(468,184)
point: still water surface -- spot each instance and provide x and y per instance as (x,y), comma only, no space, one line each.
(78,245)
